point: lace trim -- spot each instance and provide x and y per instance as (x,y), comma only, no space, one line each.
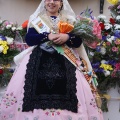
(32,101)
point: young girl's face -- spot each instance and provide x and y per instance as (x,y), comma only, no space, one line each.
(53,6)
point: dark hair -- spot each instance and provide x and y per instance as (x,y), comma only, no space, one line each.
(61,6)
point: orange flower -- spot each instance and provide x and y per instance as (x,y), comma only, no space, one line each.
(65,27)
(24,25)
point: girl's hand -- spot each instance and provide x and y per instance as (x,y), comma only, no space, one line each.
(60,38)
(53,37)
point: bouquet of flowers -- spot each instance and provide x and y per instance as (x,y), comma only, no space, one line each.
(86,26)
(10,45)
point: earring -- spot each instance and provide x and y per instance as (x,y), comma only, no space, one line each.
(45,8)
(59,10)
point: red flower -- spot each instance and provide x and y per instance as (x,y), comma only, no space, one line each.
(1,71)
(106,34)
(102,26)
(112,21)
(24,25)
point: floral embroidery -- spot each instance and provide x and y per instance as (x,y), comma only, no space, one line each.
(9,99)
(93,103)
(36,118)
(7,117)
(26,118)
(69,118)
(93,118)
(52,112)
(20,105)
(79,105)
(80,119)
(11,115)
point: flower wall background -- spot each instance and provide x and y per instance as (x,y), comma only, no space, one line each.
(105,59)
(11,43)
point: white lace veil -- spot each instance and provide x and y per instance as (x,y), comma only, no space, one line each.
(66,10)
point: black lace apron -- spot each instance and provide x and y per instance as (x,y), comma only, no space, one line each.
(50,82)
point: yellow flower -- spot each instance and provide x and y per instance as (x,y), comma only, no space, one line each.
(106,67)
(5,46)
(113,2)
(0,41)
(104,44)
(4,51)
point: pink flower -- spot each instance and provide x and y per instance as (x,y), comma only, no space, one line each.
(108,43)
(97,29)
(114,49)
(6,23)
(92,45)
(113,74)
(117,42)
(117,66)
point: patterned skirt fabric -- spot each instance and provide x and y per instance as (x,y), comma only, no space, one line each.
(48,87)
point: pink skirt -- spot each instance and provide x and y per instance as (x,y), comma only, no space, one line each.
(12,100)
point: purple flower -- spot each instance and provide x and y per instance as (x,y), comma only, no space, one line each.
(101,70)
(112,62)
(2,37)
(118,7)
(103,37)
(96,65)
(98,48)
(117,33)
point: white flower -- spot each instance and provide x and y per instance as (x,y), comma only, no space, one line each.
(101,17)
(8,26)
(9,40)
(19,28)
(13,28)
(110,39)
(106,21)
(118,17)
(103,61)
(1,21)
(1,49)
(107,26)
(116,26)
(106,73)
(102,50)
(91,53)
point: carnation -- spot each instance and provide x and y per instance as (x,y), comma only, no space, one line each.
(108,26)
(8,26)
(102,50)
(9,40)
(118,17)
(101,17)
(19,28)
(116,26)
(13,28)
(106,73)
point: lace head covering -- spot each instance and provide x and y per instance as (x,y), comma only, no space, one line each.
(66,11)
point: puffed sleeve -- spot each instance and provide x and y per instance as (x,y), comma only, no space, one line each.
(34,38)
(74,41)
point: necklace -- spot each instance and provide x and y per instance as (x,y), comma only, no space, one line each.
(52,21)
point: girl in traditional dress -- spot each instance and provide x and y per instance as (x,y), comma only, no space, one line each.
(48,85)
